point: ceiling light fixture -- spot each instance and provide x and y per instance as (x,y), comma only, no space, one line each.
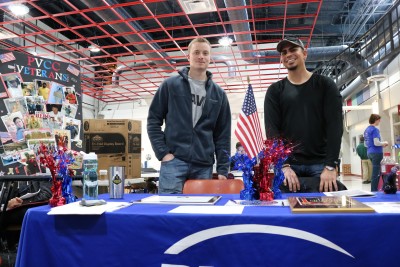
(94,49)
(225,41)
(18,9)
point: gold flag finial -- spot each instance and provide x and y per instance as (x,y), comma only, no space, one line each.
(248,79)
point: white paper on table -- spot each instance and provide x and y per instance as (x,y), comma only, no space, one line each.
(274,203)
(350,193)
(76,209)
(179,199)
(208,209)
(384,207)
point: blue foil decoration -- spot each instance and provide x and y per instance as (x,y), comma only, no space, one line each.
(278,179)
(245,164)
(64,159)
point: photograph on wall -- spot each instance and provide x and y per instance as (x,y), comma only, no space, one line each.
(8,159)
(37,134)
(12,83)
(14,125)
(34,144)
(31,165)
(12,152)
(63,138)
(54,110)
(77,163)
(70,95)
(69,110)
(35,103)
(6,138)
(32,122)
(52,123)
(56,95)
(28,89)
(16,105)
(10,127)
(74,126)
(43,88)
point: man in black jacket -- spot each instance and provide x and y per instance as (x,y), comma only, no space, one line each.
(196,114)
(306,109)
(17,206)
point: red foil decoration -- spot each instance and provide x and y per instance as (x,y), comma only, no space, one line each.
(47,160)
(271,157)
(266,193)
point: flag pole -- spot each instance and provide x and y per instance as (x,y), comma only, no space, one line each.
(248,79)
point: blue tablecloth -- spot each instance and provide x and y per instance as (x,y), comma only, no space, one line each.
(147,235)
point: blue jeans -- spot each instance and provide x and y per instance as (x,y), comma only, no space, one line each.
(309,178)
(376,159)
(313,170)
(174,173)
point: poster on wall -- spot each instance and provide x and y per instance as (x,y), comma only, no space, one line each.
(40,99)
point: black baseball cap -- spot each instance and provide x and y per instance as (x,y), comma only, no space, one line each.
(289,40)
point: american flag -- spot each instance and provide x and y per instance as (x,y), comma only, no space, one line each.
(73,70)
(248,129)
(7,57)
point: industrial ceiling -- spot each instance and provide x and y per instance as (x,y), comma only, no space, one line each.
(143,42)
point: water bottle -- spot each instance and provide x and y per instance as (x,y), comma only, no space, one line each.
(387,163)
(90,183)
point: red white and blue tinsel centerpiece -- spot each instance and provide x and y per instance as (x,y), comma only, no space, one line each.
(57,161)
(262,181)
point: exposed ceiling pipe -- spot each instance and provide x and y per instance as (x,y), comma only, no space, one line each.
(314,54)
(151,49)
(108,15)
(347,74)
(357,85)
(141,66)
(354,87)
(319,53)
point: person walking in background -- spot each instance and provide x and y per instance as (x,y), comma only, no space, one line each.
(375,147)
(306,109)
(197,118)
(366,164)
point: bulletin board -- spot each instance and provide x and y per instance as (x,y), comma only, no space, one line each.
(40,102)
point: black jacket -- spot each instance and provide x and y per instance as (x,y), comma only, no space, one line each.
(172,103)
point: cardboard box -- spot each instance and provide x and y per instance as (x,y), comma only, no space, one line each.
(116,143)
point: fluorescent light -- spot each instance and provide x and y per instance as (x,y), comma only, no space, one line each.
(18,9)
(225,41)
(94,48)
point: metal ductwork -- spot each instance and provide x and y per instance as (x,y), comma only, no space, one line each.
(150,45)
(377,70)
(151,49)
(139,66)
(347,74)
(314,54)
(344,53)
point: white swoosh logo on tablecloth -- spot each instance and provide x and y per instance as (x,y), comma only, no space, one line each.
(204,235)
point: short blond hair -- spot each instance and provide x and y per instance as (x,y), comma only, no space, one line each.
(198,40)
